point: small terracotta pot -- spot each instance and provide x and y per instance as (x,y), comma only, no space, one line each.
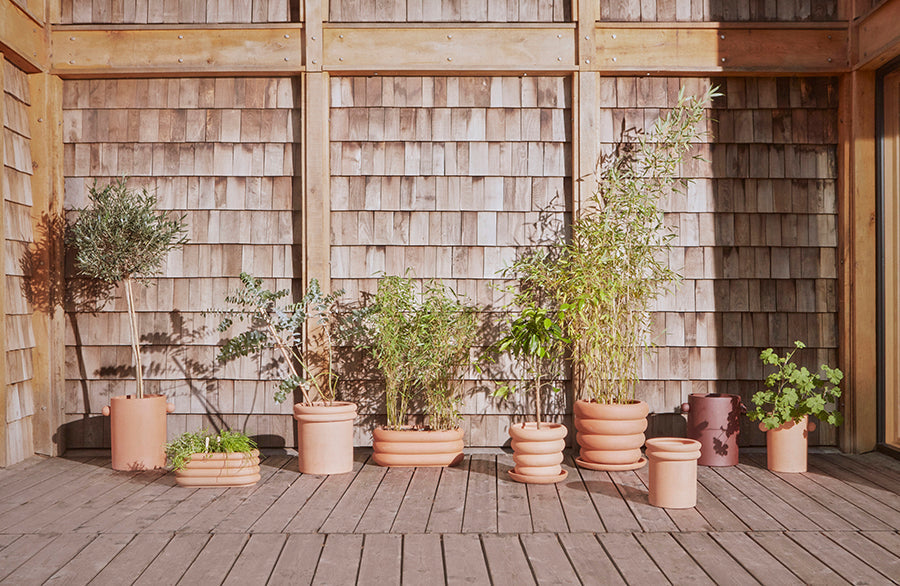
(220,469)
(417,447)
(786,445)
(673,472)
(611,434)
(713,419)
(325,437)
(538,452)
(138,431)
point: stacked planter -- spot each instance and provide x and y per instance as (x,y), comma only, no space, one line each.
(538,452)
(611,434)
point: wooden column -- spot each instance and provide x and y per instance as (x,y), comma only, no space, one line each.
(584,107)
(858,305)
(3,391)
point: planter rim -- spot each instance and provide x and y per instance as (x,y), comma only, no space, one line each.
(324,412)
(631,410)
(384,432)
(672,444)
(529,431)
(224,455)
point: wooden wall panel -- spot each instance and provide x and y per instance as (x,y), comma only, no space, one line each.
(176,11)
(450,10)
(221,151)
(718,10)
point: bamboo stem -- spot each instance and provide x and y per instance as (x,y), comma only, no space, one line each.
(135,345)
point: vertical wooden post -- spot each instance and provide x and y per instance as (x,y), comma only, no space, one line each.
(584,107)
(858,270)
(3,390)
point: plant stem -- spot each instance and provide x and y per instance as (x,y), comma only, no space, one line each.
(135,346)
(537,389)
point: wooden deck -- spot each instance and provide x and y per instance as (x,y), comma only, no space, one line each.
(75,521)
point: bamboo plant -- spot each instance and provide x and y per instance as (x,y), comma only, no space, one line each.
(121,237)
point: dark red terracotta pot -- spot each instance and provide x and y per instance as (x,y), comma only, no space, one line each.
(714,420)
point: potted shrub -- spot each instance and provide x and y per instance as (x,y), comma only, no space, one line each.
(206,460)
(793,393)
(121,238)
(535,339)
(421,345)
(324,425)
(606,276)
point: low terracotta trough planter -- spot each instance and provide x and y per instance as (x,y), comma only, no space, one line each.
(220,470)
(538,452)
(417,447)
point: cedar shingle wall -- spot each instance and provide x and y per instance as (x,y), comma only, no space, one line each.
(221,151)
(717,10)
(176,11)
(17,202)
(450,10)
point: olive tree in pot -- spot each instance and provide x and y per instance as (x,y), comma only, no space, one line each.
(324,425)
(794,393)
(607,275)
(121,238)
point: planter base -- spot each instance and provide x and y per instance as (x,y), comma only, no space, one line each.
(529,479)
(611,467)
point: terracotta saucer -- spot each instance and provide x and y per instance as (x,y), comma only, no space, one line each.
(528,479)
(611,467)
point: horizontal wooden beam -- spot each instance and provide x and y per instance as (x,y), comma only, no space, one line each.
(876,37)
(22,38)
(92,52)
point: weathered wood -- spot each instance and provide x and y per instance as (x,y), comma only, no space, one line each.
(287,504)
(174,560)
(298,560)
(886,561)
(854,493)
(185,509)
(547,515)
(243,517)
(464,560)
(864,479)
(132,559)
(319,506)
(512,500)
(339,562)
(548,559)
(581,516)
(480,515)
(23,38)
(506,560)
(713,559)
(382,559)
(127,512)
(91,560)
(417,502)
(764,567)
(385,503)
(256,560)
(743,508)
(449,501)
(23,548)
(838,559)
(613,509)
(671,558)
(589,559)
(43,564)
(873,41)
(796,558)
(356,498)
(423,559)
(630,558)
(636,495)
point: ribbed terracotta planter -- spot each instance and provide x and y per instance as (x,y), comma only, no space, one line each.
(713,419)
(673,472)
(325,437)
(538,452)
(786,446)
(138,431)
(415,447)
(611,434)
(220,469)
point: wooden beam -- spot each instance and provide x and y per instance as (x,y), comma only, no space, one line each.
(22,38)
(3,186)
(858,259)
(316,202)
(91,52)
(875,39)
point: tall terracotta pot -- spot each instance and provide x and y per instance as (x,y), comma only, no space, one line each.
(138,431)
(416,447)
(538,452)
(673,472)
(220,470)
(713,419)
(325,437)
(611,434)
(786,445)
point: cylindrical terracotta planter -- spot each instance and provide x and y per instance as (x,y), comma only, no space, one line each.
(611,434)
(713,419)
(138,431)
(220,469)
(538,452)
(325,437)
(673,472)
(416,447)
(786,445)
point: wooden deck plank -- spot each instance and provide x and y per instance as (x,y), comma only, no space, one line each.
(20,469)
(257,560)
(132,559)
(412,517)
(861,478)
(43,564)
(191,503)
(480,515)
(287,504)
(33,481)
(339,562)
(506,560)
(126,516)
(298,560)
(382,510)
(672,559)
(853,493)
(736,501)
(635,494)
(803,564)
(576,502)
(589,558)
(382,558)
(6,539)
(548,559)
(631,560)
(267,493)
(423,559)
(319,506)
(173,561)
(684,519)
(720,517)
(450,499)
(841,561)
(869,469)
(346,514)
(763,566)
(513,515)
(877,557)
(214,561)
(82,568)
(547,515)
(20,551)
(614,512)
(889,540)
(464,560)
(715,561)
(880,462)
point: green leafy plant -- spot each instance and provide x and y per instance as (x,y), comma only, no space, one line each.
(120,237)
(205,442)
(793,391)
(282,327)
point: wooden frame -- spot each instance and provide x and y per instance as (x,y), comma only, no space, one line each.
(891,259)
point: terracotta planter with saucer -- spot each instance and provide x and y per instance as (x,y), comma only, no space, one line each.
(611,435)
(538,452)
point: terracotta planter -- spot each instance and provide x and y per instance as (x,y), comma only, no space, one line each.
(713,419)
(786,445)
(138,431)
(220,469)
(611,434)
(325,437)
(415,447)
(538,452)
(673,472)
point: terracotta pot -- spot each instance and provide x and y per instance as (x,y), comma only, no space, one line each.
(138,431)
(538,452)
(713,419)
(786,445)
(673,472)
(611,434)
(416,447)
(220,469)
(325,437)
